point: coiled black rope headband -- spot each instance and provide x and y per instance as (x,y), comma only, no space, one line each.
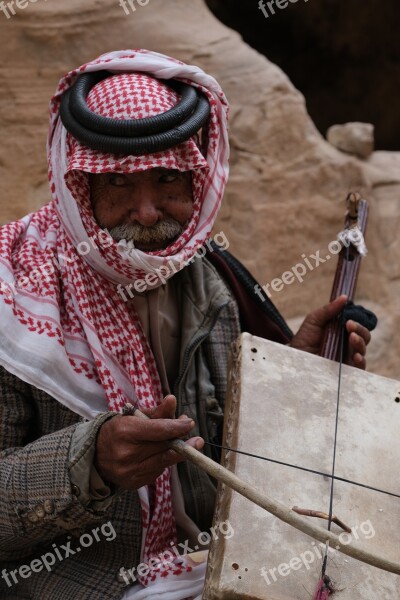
(132,136)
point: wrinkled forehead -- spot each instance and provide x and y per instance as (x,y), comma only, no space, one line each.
(134,96)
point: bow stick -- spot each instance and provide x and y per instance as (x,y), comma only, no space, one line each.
(273,506)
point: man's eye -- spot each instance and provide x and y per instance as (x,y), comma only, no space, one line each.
(169,177)
(117,179)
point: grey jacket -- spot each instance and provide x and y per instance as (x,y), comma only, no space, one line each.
(46,454)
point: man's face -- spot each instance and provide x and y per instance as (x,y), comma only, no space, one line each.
(150,208)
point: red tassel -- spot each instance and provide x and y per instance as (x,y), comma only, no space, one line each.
(324,589)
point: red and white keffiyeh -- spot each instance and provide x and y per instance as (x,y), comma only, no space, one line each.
(65,328)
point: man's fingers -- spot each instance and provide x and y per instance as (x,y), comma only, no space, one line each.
(357,344)
(183,417)
(169,457)
(359,361)
(154,430)
(158,462)
(322,315)
(360,330)
(195,442)
(165,410)
(359,338)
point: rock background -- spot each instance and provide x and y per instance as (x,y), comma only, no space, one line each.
(287,187)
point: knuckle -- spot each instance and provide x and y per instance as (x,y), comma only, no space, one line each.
(124,427)
(125,457)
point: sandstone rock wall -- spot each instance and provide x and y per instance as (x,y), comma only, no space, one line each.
(287,186)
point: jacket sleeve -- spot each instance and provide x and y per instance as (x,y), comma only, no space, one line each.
(44,482)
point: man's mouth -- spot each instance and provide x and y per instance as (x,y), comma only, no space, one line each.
(148,239)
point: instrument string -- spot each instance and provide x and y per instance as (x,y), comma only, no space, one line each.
(342,336)
(315,472)
(341,358)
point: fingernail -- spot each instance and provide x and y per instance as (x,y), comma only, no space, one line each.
(187,421)
(199,444)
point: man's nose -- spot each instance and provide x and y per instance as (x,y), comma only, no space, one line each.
(145,210)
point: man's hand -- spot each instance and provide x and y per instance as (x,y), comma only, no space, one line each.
(132,452)
(309,336)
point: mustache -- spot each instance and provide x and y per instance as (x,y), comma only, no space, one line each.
(161,232)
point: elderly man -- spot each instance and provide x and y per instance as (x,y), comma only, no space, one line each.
(112,295)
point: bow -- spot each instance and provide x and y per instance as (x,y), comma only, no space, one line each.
(276,508)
